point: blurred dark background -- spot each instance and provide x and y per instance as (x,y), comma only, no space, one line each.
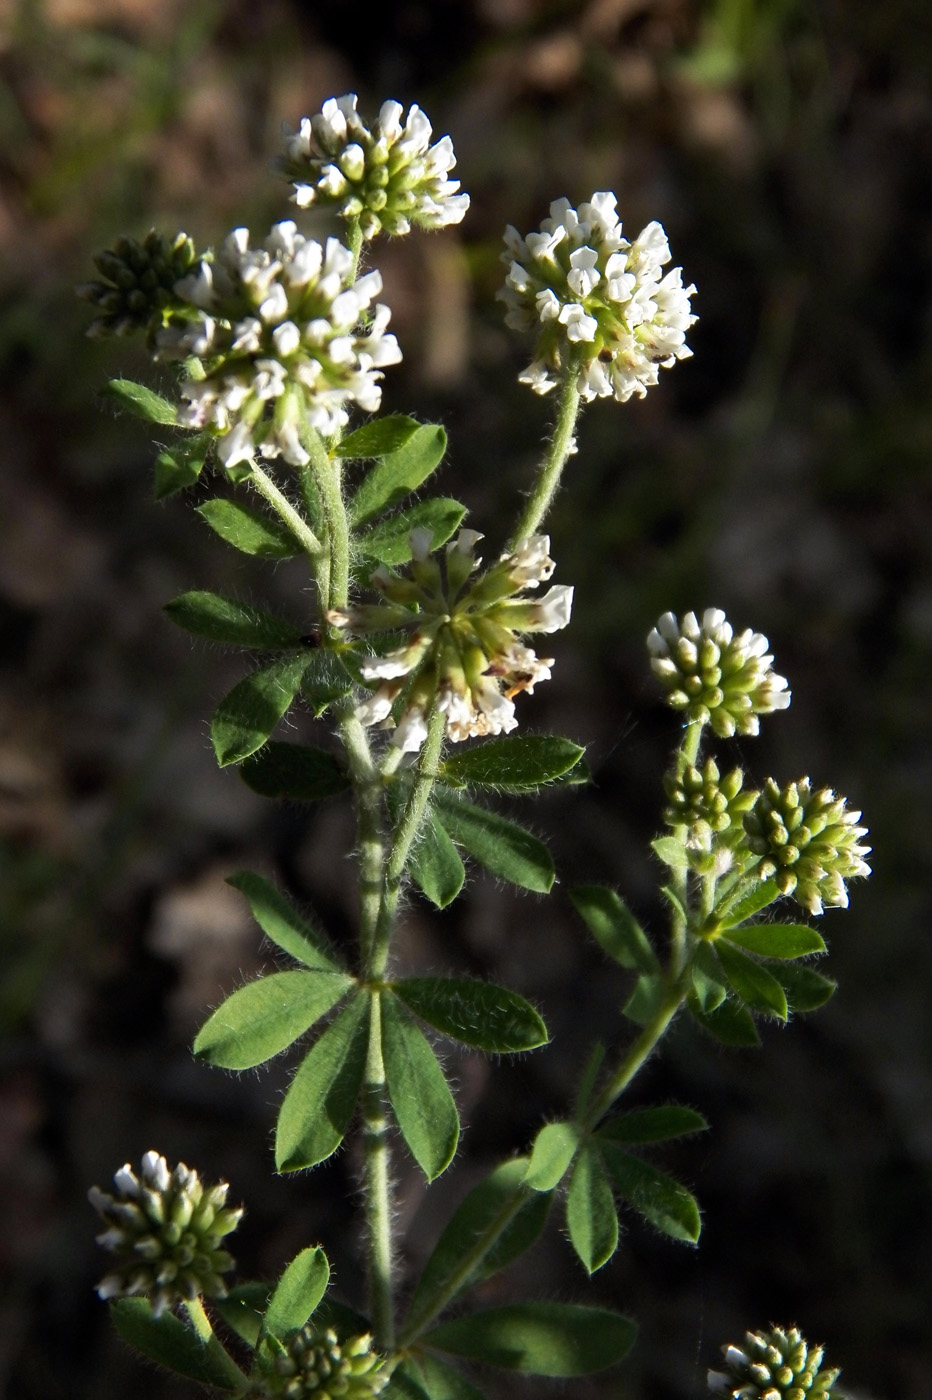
(783,474)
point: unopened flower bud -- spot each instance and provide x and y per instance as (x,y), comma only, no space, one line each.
(316,1364)
(808,842)
(775,1365)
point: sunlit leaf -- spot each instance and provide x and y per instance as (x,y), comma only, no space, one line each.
(398,473)
(419,1093)
(140,401)
(281,922)
(553,1151)
(512,762)
(319,1104)
(503,847)
(435,866)
(167,1341)
(667,1205)
(266,1016)
(297,1293)
(591,1218)
(614,927)
(248,530)
(245,718)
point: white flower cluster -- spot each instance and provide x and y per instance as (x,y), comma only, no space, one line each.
(278,330)
(388,177)
(715,675)
(597,300)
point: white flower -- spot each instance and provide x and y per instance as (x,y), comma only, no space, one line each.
(596,300)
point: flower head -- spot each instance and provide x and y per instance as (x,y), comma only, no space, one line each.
(462,649)
(715,675)
(388,176)
(593,298)
(808,842)
(138,287)
(711,808)
(774,1365)
(278,331)
(164,1229)
(317,1364)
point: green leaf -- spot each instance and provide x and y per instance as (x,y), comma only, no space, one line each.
(266,1016)
(180,466)
(399,473)
(167,1341)
(752,903)
(805,989)
(496,1223)
(646,999)
(435,866)
(661,1124)
(319,1104)
(544,1339)
(500,845)
(249,530)
(750,982)
(675,903)
(778,940)
(140,401)
(245,718)
(378,438)
(243,1310)
(614,927)
(591,1218)
(477,1013)
(325,681)
(297,1293)
(294,772)
(588,1078)
(441,1382)
(387,542)
(553,1152)
(221,620)
(512,763)
(663,1202)
(730,1023)
(281,922)
(671,851)
(419,1093)
(707,977)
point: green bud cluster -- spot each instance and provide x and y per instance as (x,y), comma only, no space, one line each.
(710,806)
(808,842)
(774,1365)
(164,1229)
(138,285)
(317,1364)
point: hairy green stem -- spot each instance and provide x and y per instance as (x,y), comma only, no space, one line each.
(205,1332)
(378,1186)
(327,473)
(283,507)
(367,788)
(689,753)
(545,488)
(635,1057)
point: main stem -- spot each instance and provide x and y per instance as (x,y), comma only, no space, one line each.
(378,1187)
(635,1058)
(545,488)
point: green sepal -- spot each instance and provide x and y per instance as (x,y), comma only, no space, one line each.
(325,681)
(378,438)
(498,1200)
(294,772)
(245,718)
(167,1341)
(243,1309)
(646,999)
(398,473)
(730,1023)
(179,466)
(388,541)
(440,1381)
(435,865)
(552,1155)
(760,897)
(663,1202)
(750,982)
(222,620)
(614,927)
(512,763)
(503,847)
(297,1293)
(778,940)
(140,401)
(249,531)
(282,924)
(263,1018)
(672,851)
(542,1339)
(707,977)
(645,1125)
(418,1091)
(475,1013)
(806,989)
(591,1217)
(319,1104)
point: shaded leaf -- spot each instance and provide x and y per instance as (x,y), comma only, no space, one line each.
(806,990)
(477,1013)
(319,1104)
(281,922)
(221,620)
(140,401)
(591,1218)
(180,466)
(435,866)
(167,1341)
(503,847)
(418,1091)
(707,978)
(245,718)
(442,1382)
(753,902)
(614,927)
(660,1124)
(751,982)
(378,438)
(250,531)
(663,1202)
(731,1023)
(646,999)
(675,903)
(553,1152)
(388,541)
(399,473)
(294,772)
(243,1310)
(266,1016)
(325,681)
(544,1339)
(297,1293)
(778,940)
(512,762)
